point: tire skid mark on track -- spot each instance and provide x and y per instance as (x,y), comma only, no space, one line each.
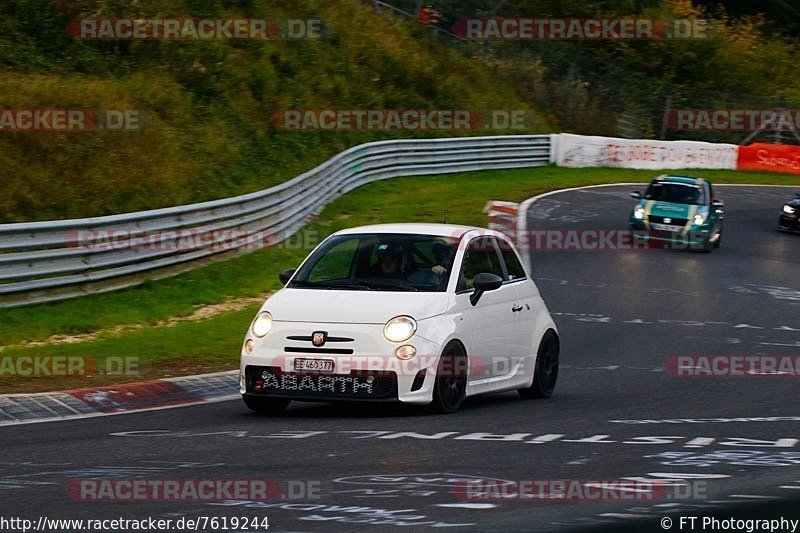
(600,318)
(483,437)
(749,329)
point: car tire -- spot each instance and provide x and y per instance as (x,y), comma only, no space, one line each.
(450,385)
(718,242)
(266,406)
(546,374)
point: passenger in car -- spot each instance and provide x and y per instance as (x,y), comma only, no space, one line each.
(390,261)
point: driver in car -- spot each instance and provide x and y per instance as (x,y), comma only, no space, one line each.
(390,261)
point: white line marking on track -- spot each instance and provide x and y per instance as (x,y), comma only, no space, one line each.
(468,505)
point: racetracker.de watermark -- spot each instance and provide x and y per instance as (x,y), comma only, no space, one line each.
(732,119)
(290,376)
(402,119)
(602,240)
(30,366)
(72,120)
(732,366)
(137,489)
(573,29)
(559,490)
(194,29)
(184,240)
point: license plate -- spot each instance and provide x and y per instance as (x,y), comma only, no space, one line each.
(665,227)
(315,365)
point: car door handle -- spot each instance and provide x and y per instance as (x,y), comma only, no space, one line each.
(516,308)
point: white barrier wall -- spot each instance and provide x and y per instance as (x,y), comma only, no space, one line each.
(569,150)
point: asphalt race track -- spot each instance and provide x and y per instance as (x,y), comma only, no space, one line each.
(616,412)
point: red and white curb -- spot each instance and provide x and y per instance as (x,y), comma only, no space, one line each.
(118,399)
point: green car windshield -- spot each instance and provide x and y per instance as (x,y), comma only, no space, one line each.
(676,193)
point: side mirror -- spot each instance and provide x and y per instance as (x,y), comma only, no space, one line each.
(637,195)
(286,275)
(484,282)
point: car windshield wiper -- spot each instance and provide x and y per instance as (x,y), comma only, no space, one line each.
(304,284)
(331,285)
(355,285)
(398,286)
(358,285)
(296,283)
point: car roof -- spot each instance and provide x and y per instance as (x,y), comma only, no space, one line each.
(439,230)
(686,180)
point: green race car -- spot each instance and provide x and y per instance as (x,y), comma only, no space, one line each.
(679,212)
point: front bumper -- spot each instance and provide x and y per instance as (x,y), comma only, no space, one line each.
(695,237)
(369,372)
(274,382)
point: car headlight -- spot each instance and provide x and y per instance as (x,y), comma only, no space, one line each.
(789,210)
(262,324)
(399,329)
(700,219)
(638,213)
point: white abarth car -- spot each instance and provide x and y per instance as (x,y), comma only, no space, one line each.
(415,313)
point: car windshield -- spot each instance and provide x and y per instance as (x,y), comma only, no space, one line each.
(677,193)
(383,262)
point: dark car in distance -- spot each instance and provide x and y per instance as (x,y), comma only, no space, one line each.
(790,215)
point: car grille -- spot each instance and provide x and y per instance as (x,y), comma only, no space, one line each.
(308,338)
(675,236)
(315,349)
(355,386)
(296,349)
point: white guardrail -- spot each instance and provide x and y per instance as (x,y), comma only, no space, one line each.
(46,261)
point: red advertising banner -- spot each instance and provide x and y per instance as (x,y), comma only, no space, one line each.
(770,157)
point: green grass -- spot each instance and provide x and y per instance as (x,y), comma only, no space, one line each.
(188,348)
(214,343)
(206,106)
